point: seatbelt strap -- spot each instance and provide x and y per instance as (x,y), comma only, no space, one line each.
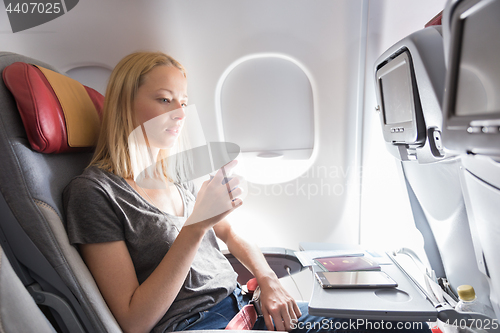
(246,318)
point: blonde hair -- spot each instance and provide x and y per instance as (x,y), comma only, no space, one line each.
(112,150)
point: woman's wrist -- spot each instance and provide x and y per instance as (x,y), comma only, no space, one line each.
(266,277)
(198,228)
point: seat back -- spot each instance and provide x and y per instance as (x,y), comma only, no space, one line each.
(472,123)
(31,185)
(409,92)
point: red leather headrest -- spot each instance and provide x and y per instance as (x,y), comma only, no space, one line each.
(59,114)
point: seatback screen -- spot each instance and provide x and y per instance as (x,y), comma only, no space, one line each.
(396,94)
(479,66)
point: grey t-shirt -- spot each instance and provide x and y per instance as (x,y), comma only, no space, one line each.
(102,207)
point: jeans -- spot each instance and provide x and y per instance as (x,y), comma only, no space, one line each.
(220,314)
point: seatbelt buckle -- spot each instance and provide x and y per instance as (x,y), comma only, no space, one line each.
(255,301)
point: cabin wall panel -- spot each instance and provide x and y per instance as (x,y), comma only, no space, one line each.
(207,37)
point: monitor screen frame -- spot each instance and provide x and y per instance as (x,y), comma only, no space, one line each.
(411,133)
(469,133)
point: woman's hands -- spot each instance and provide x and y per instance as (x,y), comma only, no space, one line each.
(277,305)
(216,199)
(279,309)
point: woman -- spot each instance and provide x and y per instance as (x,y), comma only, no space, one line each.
(153,255)
(152,249)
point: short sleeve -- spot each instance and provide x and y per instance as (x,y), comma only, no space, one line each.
(90,213)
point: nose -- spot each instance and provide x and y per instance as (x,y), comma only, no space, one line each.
(178,114)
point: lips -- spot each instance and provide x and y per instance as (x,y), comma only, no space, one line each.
(174,130)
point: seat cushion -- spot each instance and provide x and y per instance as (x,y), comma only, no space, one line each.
(59,114)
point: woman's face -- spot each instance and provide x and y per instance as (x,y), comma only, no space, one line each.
(159,104)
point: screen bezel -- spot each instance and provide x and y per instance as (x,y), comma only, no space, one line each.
(408,132)
(464,132)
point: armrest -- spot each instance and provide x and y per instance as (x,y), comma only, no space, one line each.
(278,258)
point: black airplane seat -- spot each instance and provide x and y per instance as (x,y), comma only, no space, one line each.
(32,230)
(410,81)
(16,302)
(37,163)
(471,123)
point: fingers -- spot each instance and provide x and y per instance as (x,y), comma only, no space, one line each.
(222,178)
(218,196)
(230,187)
(296,310)
(286,323)
(235,193)
(230,166)
(281,318)
(225,170)
(234,204)
(233,182)
(238,202)
(295,315)
(267,319)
